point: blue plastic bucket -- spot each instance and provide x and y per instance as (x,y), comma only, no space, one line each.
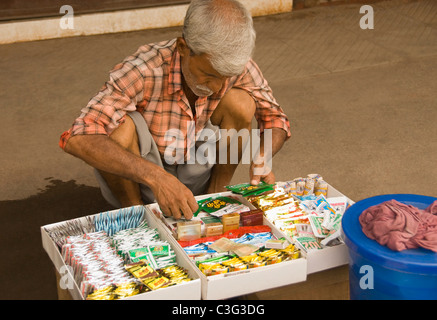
(379,273)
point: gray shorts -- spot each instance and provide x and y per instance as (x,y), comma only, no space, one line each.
(194,176)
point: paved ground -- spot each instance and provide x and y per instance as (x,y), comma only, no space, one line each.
(363,106)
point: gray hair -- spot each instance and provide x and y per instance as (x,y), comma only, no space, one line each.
(222,29)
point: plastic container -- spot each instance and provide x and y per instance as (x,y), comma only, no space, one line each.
(379,273)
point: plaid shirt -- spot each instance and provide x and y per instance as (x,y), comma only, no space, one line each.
(150,82)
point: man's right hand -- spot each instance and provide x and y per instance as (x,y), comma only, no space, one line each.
(102,153)
(173,197)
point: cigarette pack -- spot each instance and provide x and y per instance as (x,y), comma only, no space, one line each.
(252,218)
(231,221)
(188,230)
(276,244)
(214,229)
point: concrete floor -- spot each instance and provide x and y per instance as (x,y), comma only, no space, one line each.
(363,107)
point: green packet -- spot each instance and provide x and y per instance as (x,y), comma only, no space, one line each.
(218,205)
(246,189)
(161,250)
(210,219)
(216,259)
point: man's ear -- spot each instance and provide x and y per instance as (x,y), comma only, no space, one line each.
(182,47)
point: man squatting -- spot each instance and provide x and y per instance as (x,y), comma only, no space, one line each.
(206,77)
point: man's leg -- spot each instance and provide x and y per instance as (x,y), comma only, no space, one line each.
(127,192)
(235,111)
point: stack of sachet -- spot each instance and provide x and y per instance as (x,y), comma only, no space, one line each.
(118,256)
(301,209)
(225,235)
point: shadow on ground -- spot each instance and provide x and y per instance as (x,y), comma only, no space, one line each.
(23,251)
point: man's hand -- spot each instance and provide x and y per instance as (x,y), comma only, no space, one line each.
(104,154)
(173,197)
(261,167)
(260,172)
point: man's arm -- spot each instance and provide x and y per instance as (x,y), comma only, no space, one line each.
(269,116)
(104,154)
(261,166)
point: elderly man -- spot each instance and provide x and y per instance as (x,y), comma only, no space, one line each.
(203,81)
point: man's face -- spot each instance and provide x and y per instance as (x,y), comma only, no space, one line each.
(199,74)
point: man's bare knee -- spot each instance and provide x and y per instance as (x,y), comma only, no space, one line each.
(236,109)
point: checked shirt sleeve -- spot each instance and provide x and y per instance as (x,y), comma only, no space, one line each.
(268,112)
(106,110)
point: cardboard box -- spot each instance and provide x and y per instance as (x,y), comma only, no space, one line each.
(328,257)
(243,282)
(224,285)
(187,291)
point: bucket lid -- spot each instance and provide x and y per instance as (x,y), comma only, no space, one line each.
(420,260)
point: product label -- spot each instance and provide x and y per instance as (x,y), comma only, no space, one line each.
(308,243)
(316,226)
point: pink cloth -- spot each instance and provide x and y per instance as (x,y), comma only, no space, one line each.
(400,226)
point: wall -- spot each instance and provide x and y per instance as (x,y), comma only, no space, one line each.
(119,21)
